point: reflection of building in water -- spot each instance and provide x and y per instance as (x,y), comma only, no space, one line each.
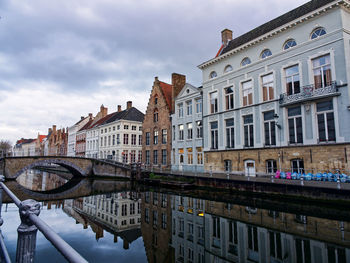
(236,233)
(156,227)
(118,213)
(40,181)
(188,228)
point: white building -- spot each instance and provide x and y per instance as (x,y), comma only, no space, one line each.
(187,128)
(72,134)
(120,136)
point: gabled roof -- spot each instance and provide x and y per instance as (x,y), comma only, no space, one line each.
(167,92)
(101,121)
(131,114)
(42,137)
(275,23)
(87,125)
(81,120)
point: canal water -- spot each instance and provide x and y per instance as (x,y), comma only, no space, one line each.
(113,221)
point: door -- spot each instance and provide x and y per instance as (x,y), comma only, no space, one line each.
(249,168)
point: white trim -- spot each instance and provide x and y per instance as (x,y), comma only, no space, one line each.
(276,31)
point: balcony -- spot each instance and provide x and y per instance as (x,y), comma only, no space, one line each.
(308,93)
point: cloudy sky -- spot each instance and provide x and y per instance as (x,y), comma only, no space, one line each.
(61,59)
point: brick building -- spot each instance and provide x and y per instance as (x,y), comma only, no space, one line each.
(156,127)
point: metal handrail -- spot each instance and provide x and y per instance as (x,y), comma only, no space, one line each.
(4,249)
(62,246)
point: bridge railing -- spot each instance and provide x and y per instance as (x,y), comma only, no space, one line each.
(30,223)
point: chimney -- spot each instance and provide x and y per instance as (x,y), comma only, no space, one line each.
(226,36)
(104,111)
(128,104)
(178,81)
(54,128)
(119,108)
(81,117)
(90,116)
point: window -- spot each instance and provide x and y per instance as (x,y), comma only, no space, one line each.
(295,125)
(164,218)
(270,128)
(253,238)
(148,157)
(133,139)
(126,139)
(213,102)
(113,139)
(266,53)
(228,165)
(125,156)
(133,156)
(276,246)
(101,131)
(118,138)
(325,121)
(155,218)
(318,32)
(267,87)
(292,80)
(247,90)
(155,157)
(199,129)
(126,127)
(140,128)
(164,155)
(147,215)
(180,110)
(133,128)
(213,74)
(216,232)
(336,254)
(189,131)
(321,67)
(113,128)
(199,155)
(271,166)
(228,68)
(139,157)
(230,133)
(155,137)
(214,134)
(148,135)
(289,43)
(118,127)
(155,115)
(164,136)
(140,139)
(248,131)
(199,105)
(181,132)
(297,166)
(189,156)
(174,133)
(109,140)
(245,61)
(189,107)
(229,98)
(156,100)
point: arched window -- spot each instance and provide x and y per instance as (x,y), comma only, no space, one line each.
(155,115)
(245,61)
(266,53)
(318,32)
(228,68)
(289,43)
(156,99)
(213,74)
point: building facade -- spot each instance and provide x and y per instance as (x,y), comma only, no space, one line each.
(120,136)
(156,132)
(187,131)
(71,145)
(275,97)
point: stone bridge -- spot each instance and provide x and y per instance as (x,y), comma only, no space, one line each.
(12,167)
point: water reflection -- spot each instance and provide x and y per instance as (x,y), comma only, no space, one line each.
(38,180)
(157,227)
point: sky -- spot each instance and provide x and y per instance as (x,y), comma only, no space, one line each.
(62,59)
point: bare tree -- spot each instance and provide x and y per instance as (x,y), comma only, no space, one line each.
(5,147)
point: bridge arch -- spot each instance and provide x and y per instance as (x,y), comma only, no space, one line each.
(71,167)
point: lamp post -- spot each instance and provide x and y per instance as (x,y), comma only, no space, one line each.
(279,127)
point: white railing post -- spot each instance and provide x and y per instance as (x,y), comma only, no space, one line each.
(27,231)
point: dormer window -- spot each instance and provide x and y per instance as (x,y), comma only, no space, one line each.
(318,32)
(289,43)
(266,53)
(213,75)
(228,68)
(245,61)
